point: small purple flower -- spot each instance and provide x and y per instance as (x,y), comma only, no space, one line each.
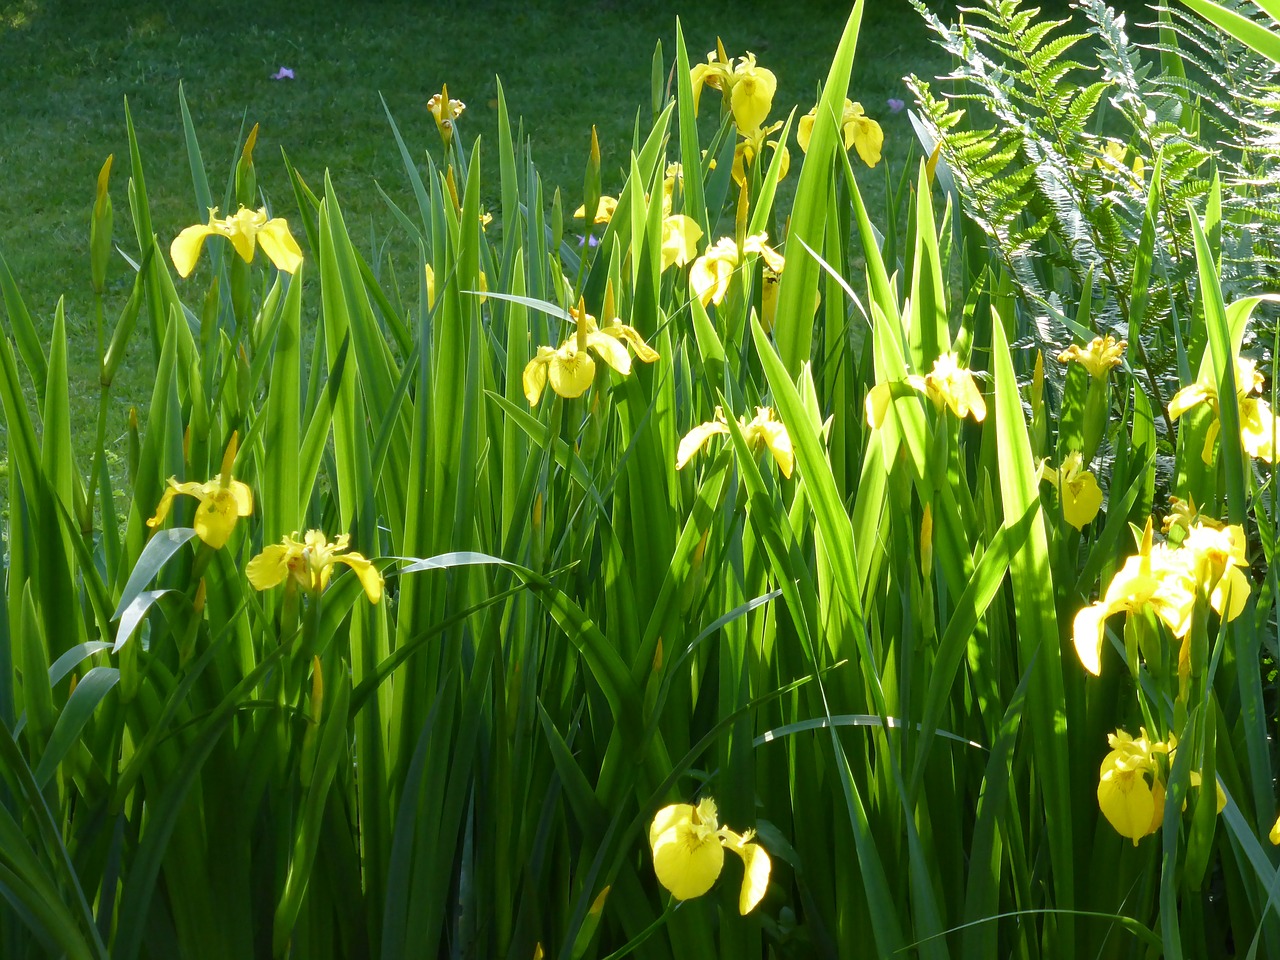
(591,241)
(896,105)
(284,74)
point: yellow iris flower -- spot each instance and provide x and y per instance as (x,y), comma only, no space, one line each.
(1078,489)
(570,368)
(445,112)
(688,847)
(747,88)
(1274,835)
(1113,155)
(1166,580)
(948,384)
(222,501)
(246,230)
(1218,561)
(674,175)
(1257,423)
(680,236)
(1098,357)
(761,432)
(1131,786)
(605,210)
(710,274)
(856,127)
(309,563)
(751,145)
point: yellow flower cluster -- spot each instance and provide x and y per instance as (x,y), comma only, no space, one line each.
(688,847)
(1166,579)
(570,368)
(1131,783)
(748,92)
(223,500)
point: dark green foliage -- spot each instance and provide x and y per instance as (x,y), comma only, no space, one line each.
(1026,119)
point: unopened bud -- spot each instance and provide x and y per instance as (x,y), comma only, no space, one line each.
(100,225)
(926,541)
(598,906)
(317,690)
(246,181)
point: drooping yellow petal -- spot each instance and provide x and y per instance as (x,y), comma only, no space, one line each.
(1274,835)
(269,568)
(1188,397)
(878,399)
(605,210)
(765,431)
(696,439)
(279,246)
(369,576)
(1258,429)
(243,497)
(680,236)
(778,441)
(165,504)
(631,336)
(610,350)
(757,243)
(186,247)
(1126,800)
(1231,594)
(868,139)
(755,870)
(216,516)
(1088,633)
(804,129)
(534,378)
(1081,500)
(710,274)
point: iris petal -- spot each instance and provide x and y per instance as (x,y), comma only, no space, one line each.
(186,247)
(279,246)
(269,568)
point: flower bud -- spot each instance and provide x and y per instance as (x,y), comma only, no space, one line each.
(100,230)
